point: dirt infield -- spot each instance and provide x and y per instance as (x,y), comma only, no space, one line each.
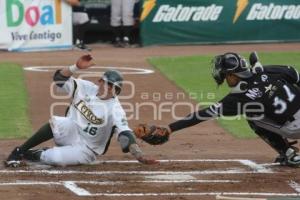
(198,163)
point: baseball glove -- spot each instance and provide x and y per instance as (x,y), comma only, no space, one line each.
(153,135)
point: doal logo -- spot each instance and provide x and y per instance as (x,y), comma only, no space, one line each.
(48,14)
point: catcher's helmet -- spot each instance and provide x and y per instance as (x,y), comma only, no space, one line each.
(115,78)
(229,63)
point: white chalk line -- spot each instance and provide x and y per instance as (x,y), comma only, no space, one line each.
(295,186)
(270,164)
(29,183)
(124,70)
(75,189)
(220,197)
(23,182)
(79,191)
(197,194)
(255,167)
(72,185)
(173,161)
(190,181)
(249,163)
(99,173)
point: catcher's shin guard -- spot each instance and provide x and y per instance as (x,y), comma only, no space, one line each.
(277,142)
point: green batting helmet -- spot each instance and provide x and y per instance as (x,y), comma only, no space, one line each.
(115,78)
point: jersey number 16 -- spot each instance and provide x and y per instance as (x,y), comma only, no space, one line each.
(91,130)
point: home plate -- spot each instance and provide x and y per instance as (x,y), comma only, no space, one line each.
(180,177)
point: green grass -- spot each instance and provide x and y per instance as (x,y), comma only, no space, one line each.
(14,120)
(193,74)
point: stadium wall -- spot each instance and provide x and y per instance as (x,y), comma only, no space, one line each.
(219,21)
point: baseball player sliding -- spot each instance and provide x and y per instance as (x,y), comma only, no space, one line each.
(94,115)
(269,96)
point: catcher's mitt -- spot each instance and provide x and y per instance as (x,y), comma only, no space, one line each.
(152,134)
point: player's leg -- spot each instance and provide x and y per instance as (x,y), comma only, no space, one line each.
(64,156)
(70,150)
(128,19)
(80,23)
(115,21)
(42,135)
(287,153)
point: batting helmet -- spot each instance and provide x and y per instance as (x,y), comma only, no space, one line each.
(229,63)
(115,78)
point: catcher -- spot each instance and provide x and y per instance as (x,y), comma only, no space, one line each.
(273,89)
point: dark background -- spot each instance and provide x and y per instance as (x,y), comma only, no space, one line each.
(99,29)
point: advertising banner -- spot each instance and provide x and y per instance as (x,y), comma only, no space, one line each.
(219,21)
(35,25)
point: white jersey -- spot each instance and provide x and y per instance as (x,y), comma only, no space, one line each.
(96,120)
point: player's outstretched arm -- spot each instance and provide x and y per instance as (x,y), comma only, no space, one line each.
(157,135)
(138,154)
(84,62)
(61,76)
(128,144)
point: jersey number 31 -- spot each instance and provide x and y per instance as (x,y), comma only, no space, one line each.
(280,104)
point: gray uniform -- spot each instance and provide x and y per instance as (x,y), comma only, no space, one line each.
(122,12)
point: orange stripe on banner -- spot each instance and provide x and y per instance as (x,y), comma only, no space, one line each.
(58,11)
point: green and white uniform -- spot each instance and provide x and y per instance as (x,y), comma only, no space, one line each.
(88,126)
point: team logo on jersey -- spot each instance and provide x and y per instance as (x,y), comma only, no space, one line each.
(271,89)
(87,113)
(254,93)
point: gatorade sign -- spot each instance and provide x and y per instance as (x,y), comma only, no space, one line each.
(34,25)
(219,21)
(272,11)
(180,13)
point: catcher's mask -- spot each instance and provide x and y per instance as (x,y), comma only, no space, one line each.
(114,78)
(229,63)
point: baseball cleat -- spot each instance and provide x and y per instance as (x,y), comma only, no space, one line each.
(14,159)
(12,163)
(83,47)
(291,158)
